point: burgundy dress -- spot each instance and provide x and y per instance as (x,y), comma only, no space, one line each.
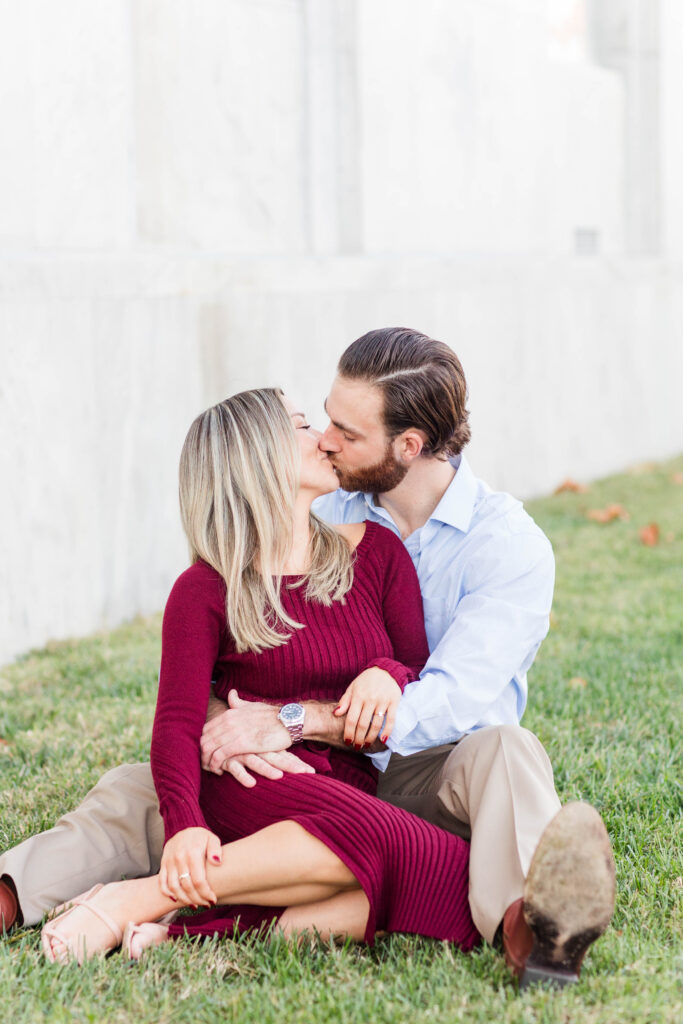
(414,875)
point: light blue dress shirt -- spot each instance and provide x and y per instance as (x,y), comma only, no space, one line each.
(486,573)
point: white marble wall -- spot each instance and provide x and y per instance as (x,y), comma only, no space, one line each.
(200,197)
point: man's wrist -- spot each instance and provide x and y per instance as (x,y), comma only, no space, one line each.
(321,725)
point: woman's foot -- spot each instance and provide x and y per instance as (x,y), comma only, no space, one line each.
(82,931)
(94,922)
(139,937)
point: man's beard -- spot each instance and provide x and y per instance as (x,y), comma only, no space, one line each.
(378,479)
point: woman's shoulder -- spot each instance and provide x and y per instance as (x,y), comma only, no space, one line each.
(380,545)
(352,533)
(198,582)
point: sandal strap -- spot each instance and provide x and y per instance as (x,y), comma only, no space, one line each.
(104,918)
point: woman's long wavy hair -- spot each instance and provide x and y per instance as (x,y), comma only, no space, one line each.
(239,477)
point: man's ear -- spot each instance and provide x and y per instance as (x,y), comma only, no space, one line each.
(410,444)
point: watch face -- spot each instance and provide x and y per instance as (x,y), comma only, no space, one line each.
(291,714)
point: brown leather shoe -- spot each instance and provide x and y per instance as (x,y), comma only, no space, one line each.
(9,907)
(568,900)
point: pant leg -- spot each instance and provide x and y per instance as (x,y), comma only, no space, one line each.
(498,783)
(115,832)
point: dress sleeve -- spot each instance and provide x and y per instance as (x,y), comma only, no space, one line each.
(402,611)
(191,635)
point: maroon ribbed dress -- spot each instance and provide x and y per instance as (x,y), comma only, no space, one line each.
(414,875)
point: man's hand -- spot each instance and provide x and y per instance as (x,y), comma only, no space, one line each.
(270,766)
(247,727)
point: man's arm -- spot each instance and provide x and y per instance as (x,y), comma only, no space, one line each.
(243,728)
(475,673)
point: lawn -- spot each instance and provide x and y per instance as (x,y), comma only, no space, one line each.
(605,698)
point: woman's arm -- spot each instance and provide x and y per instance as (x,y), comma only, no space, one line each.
(371,700)
(191,633)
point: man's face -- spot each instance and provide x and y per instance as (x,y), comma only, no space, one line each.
(362,455)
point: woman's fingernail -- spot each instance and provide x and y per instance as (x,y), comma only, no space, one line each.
(384,738)
(336,710)
(216,860)
(357,746)
(347,742)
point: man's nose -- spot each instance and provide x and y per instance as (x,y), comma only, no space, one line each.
(327,442)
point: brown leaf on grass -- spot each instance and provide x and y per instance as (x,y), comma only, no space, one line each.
(577,683)
(572,487)
(676,478)
(607,514)
(649,534)
(4,746)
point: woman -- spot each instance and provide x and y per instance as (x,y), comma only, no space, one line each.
(282,607)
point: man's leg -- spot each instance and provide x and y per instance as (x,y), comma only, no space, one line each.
(497,785)
(116,832)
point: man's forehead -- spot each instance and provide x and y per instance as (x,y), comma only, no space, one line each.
(354,405)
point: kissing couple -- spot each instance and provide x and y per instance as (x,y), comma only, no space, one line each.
(337,743)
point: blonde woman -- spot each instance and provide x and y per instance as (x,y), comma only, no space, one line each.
(281,607)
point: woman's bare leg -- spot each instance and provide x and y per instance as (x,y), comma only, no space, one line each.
(342,916)
(281,865)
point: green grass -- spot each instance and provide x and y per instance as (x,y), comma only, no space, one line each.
(77,708)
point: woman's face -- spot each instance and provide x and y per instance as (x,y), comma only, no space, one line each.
(317,474)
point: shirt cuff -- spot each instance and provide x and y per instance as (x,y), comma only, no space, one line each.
(406,721)
(380,760)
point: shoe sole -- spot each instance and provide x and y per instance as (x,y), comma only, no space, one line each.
(568,895)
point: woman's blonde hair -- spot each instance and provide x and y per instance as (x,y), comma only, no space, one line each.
(239,477)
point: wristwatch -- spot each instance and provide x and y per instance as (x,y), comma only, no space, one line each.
(292,717)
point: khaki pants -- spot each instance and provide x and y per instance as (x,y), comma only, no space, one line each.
(495,787)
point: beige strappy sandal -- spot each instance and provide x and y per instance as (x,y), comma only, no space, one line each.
(139,937)
(75,946)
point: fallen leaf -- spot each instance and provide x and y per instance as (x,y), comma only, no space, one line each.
(4,746)
(649,534)
(677,478)
(608,514)
(572,487)
(577,683)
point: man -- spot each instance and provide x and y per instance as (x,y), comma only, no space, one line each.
(541,878)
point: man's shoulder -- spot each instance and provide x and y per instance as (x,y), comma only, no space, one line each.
(499,514)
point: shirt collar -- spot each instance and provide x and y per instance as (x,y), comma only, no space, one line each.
(457,504)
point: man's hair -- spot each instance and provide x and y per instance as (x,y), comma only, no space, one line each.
(422,382)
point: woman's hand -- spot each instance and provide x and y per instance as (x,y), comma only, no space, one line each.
(182,874)
(370,704)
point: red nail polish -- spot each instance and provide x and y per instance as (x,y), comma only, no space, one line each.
(357,746)
(347,742)
(216,860)
(384,739)
(336,710)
